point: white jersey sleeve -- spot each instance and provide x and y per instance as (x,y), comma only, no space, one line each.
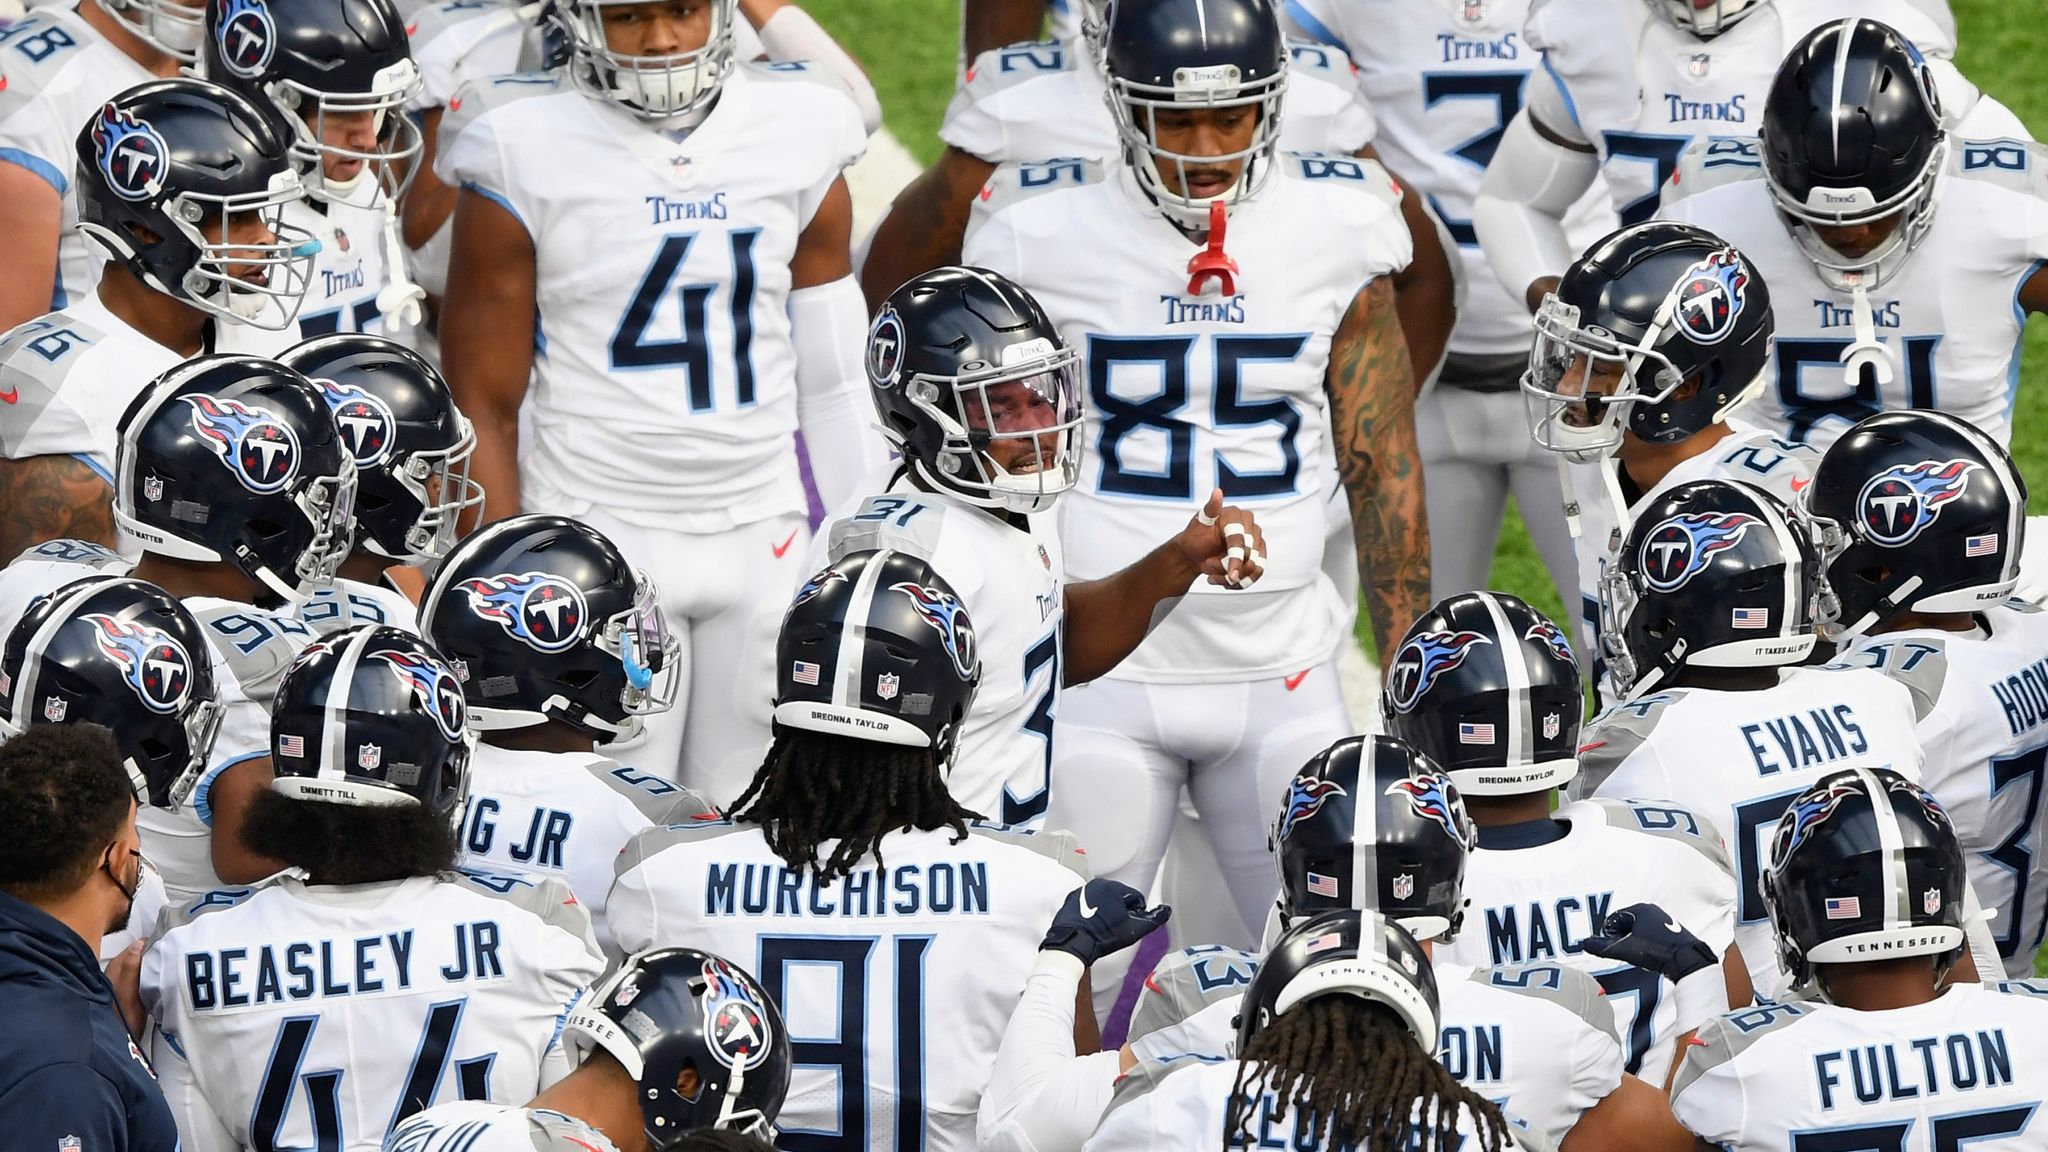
(1041,1097)
(474,1126)
(460,41)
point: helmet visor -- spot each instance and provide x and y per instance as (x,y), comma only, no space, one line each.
(1582,382)
(1011,432)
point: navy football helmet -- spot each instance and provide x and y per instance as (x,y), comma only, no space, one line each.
(680,84)
(1667,324)
(167,172)
(878,647)
(1865,865)
(544,620)
(672,1010)
(410,442)
(1488,688)
(1713,574)
(1344,953)
(1188,55)
(310,60)
(961,358)
(236,460)
(126,655)
(1917,511)
(1371,823)
(1852,136)
(372,716)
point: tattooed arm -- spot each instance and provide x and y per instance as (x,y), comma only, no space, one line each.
(1372,417)
(50,497)
(925,226)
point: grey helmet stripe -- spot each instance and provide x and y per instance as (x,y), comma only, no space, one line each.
(1365,831)
(334,719)
(853,645)
(1898,909)
(32,657)
(1520,746)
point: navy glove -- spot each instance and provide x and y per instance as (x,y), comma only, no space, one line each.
(1645,936)
(1100,918)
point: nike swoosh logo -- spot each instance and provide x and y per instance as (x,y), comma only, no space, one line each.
(455,105)
(783,548)
(1295,680)
(1087,909)
(10,396)
(1800,485)
(1672,926)
(1584,748)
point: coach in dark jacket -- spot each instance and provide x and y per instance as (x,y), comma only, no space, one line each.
(71,1078)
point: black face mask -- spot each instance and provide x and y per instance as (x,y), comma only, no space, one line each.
(128,889)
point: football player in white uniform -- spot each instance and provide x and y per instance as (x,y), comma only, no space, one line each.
(673,354)
(340,75)
(1439,134)
(1217,363)
(852,881)
(124,655)
(411,446)
(181,187)
(1644,352)
(1915,254)
(976,391)
(1867,897)
(676,1041)
(1488,688)
(1924,518)
(1710,609)
(1636,82)
(285,1010)
(1343,1013)
(561,648)
(236,486)
(62,64)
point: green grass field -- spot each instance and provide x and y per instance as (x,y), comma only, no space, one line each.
(908,48)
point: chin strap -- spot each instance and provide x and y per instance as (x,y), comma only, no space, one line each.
(1867,351)
(1211,263)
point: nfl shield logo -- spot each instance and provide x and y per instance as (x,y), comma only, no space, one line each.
(886,685)
(1045,557)
(341,239)
(1552,725)
(1404,886)
(68,1144)
(1930,901)
(1700,64)
(369,755)
(1475,11)
(55,708)
(152,488)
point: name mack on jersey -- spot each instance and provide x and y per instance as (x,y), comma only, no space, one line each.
(940,888)
(1548,928)
(1910,1069)
(319,969)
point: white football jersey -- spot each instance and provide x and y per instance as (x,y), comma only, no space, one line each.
(1737,759)
(1187,393)
(66,378)
(566,815)
(300,1016)
(471,1126)
(1964,1070)
(1984,694)
(1536,904)
(1186,1105)
(252,650)
(895,981)
(1750,454)
(664,372)
(347,603)
(1640,90)
(1947,319)
(1009,578)
(348,271)
(1047,98)
(60,72)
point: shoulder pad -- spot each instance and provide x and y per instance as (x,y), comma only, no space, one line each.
(97,557)
(558,1132)
(1336,170)
(1725,1037)
(1920,663)
(999,68)
(1056,844)
(434,19)
(1149,1074)
(2021,987)
(1017,181)
(660,801)
(43,45)
(36,356)
(1185,982)
(1615,734)
(1670,822)
(1568,988)
(1712,162)
(1332,64)
(886,520)
(651,842)
(177,915)
(548,898)
(478,97)
(257,646)
(2021,165)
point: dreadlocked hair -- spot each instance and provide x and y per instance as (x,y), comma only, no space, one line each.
(1352,1068)
(816,786)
